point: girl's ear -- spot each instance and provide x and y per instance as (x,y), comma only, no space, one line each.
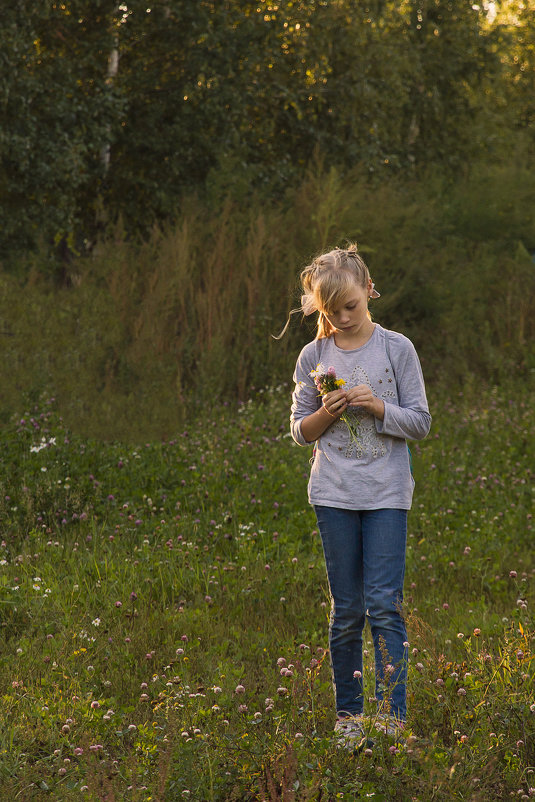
(372,292)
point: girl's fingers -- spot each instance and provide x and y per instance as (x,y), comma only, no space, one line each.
(334,395)
(361,394)
(334,403)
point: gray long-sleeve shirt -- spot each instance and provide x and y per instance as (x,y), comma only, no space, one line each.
(374,472)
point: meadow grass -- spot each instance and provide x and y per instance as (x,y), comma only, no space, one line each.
(165,613)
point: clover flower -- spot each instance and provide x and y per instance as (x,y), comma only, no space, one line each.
(326,382)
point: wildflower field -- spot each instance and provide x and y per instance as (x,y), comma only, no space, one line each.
(165,612)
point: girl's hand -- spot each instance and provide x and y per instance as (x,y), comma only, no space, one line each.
(362,396)
(335,402)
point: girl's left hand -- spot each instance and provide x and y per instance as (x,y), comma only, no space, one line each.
(362,396)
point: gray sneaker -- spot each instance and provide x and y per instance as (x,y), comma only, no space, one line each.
(390,726)
(349,732)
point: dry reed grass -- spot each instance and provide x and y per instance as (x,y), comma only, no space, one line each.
(149,334)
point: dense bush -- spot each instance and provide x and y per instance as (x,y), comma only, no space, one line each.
(115,110)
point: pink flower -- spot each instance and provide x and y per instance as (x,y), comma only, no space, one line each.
(240,689)
(331,371)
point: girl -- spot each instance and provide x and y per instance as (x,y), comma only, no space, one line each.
(361,482)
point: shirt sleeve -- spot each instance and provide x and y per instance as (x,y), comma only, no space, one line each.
(305,397)
(409,418)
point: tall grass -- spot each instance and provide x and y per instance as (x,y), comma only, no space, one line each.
(141,335)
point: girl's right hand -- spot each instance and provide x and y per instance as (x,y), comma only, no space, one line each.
(335,402)
(315,424)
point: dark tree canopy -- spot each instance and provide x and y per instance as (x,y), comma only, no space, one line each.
(121,110)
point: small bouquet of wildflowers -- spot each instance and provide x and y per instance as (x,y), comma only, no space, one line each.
(326,381)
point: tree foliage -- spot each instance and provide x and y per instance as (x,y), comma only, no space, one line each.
(230,96)
(57,113)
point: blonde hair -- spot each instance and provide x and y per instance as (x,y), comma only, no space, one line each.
(327,282)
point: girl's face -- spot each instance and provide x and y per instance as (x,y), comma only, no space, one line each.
(352,314)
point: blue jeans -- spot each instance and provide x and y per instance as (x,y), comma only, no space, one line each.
(365,558)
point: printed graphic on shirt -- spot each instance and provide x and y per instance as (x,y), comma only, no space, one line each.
(369,442)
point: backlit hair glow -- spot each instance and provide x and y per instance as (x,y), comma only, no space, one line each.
(329,280)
